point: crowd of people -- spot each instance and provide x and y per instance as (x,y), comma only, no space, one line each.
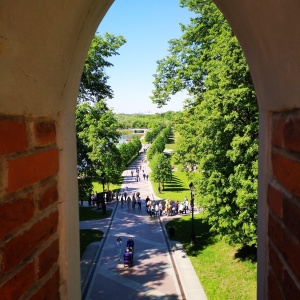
(173,207)
(132,199)
(138,171)
(169,208)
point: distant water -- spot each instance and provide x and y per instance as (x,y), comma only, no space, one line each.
(125,138)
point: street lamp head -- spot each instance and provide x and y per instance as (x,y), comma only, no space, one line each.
(192,189)
(191,185)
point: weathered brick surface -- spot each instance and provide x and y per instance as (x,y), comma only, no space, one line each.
(288,246)
(274,292)
(286,132)
(15,213)
(18,284)
(275,201)
(290,289)
(277,131)
(50,290)
(276,264)
(291,217)
(287,172)
(48,195)
(44,133)
(27,170)
(24,163)
(275,232)
(13,136)
(284,231)
(22,246)
(48,258)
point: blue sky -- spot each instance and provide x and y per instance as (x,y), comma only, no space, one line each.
(147,25)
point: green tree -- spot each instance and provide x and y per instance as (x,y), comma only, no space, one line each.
(159,144)
(93,85)
(219,126)
(95,141)
(161,169)
(130,150)
(97,136)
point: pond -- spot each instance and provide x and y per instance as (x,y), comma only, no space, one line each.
(125,138)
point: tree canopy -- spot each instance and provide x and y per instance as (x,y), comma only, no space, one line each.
(218,129)
(97,137)
(96,126)
(94,80)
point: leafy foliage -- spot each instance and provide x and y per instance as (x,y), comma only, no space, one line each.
(161,168)
(96,141)
(129,150)
(158,146)
(153,133)
(93,85)
(218,130)
(145,121)
(96,127)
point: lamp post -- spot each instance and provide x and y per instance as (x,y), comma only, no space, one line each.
(158,168)
(103,179)
(193,236)
(103,175)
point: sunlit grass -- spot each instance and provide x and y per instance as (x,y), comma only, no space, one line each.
(175,189)
(88,236)
(221,274)
(97,186)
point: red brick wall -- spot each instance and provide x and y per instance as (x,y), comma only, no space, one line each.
(29,243)
(284,208)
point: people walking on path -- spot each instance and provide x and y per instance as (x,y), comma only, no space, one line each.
(160,207)
(119,248)
(139,202)
(133,201)
(109,280)
(156,210)
(130,245)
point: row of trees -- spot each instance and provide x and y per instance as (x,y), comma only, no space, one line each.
(159,144)
(127,121)
(218,129)
(151,135)
(129,151)
(96,125)
(160,163)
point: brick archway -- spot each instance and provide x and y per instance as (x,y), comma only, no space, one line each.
(42,51)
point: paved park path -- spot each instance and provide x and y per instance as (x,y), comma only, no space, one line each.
(161,269)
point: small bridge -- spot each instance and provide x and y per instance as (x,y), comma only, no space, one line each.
(139,130)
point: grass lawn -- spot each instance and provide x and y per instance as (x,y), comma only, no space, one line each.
(171,143)
(88,236)
(221,273)
(97,186)
(87,213)
(176,189)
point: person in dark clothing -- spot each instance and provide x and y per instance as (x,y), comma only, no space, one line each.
(130,245)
